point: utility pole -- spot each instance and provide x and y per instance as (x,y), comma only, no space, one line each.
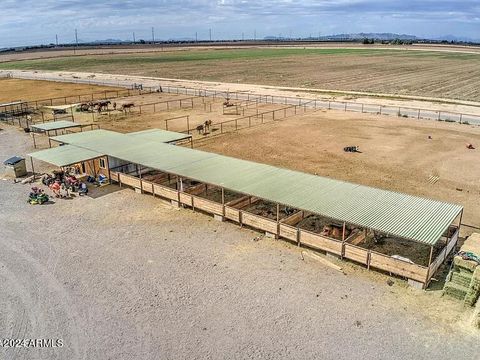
(56,40)
(134,37)
(255,34)
(196,36)
(153,34)
(210,34)
(76,42)
(243,36)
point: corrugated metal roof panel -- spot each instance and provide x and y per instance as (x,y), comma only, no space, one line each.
(56,125)
(159,135)
(65,155)
(410,217)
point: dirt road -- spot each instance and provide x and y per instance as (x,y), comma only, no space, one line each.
(123,276)
(434,104)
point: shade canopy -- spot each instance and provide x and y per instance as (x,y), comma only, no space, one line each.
(65,155)
(55,125)
(410,217)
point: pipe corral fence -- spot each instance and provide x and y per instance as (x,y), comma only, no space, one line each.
(399,111)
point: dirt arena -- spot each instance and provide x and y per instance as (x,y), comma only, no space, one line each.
(396,153)
(13,89)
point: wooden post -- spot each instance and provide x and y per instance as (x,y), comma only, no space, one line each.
(223,201)
(188,124)
(108,169)
(34,143)
(431,255)
(428,267)
(33,169)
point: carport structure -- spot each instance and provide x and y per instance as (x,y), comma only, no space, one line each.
(63,156)
(55,127)
(399,216)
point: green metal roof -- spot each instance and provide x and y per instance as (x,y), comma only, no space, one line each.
(107,136)
(410,217)
(159,135)
(56,125)
(65,155)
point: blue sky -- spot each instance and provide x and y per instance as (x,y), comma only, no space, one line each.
(25,22)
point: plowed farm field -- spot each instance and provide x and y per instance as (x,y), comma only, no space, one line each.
(438,74)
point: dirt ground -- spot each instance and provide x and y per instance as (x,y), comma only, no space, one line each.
(177,284)
(381,70)
(396,153)
(13,89)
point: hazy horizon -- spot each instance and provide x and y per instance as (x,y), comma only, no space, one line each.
(30,22)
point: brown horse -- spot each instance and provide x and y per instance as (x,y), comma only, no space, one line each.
(127,106)
(103,104)
(207,124)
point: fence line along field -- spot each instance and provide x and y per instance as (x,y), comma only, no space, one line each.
(423,73)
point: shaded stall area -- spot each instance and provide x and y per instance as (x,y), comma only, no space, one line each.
(56,127)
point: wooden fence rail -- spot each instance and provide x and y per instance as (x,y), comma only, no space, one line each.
(232,211)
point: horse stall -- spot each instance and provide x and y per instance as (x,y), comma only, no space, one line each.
(390,254)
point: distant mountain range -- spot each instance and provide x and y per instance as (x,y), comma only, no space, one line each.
(333,37)
(377,36)
(353,37)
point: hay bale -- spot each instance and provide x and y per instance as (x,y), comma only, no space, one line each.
(462,265)
(473,293)
(455,291)
(461,278)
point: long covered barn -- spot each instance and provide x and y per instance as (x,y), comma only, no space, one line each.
(351,213)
